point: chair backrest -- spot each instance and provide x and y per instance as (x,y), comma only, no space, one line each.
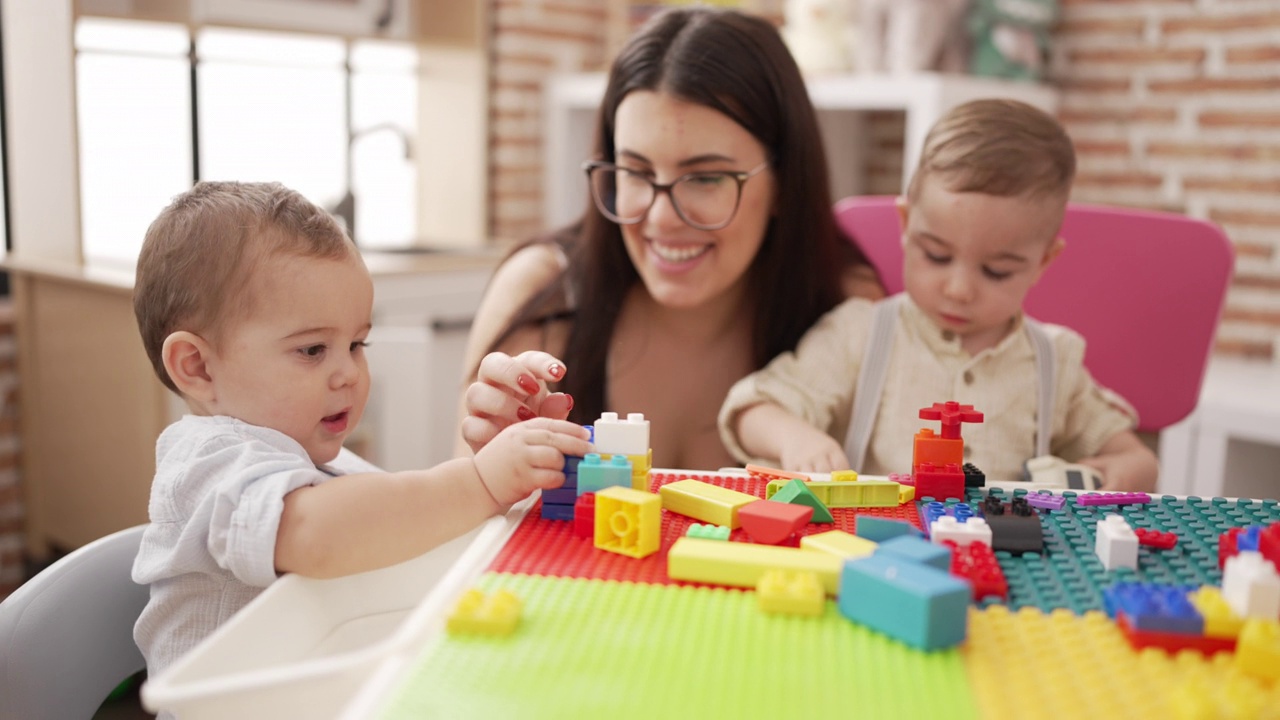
(66,636)
(1145,289)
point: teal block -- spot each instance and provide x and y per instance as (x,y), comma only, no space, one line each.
(917,604)
(594,475)
(878,529)
(917,549)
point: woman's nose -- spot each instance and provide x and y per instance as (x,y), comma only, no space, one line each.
(662,214)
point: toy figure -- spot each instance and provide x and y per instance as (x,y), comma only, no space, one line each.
(902,36)
(1011,37)
(820,34)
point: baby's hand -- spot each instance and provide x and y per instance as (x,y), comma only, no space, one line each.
(813,451)
(509,390)
(1123,472)
(527,456)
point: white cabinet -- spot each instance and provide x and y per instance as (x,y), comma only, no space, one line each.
(421,320)
(573,100)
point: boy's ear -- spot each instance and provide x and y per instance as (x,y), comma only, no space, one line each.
(1052,252)
(186,358)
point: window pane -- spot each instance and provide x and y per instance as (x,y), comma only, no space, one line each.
(135,134)
(384,114)
(261,120)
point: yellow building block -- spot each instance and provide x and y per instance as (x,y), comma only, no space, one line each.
(844,476)
(640,467)
(706,502)
(742,564)
(791,592)
(906,493)
(864,493)
(1258,651)
(628,522)
(1220,620)
(839,543)
(477,614)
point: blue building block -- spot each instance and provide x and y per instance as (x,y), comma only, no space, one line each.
(571,464)
(923,607)
(1158,608)
(931,511)
(878,529)
(1248,540)
(595,475)
(918,550)
(560,496)
(557,512)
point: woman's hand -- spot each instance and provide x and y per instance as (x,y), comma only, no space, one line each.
(509,390)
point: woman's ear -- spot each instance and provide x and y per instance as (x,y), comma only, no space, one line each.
(186,358)
(904,208)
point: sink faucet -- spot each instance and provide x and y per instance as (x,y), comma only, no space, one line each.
(346,207)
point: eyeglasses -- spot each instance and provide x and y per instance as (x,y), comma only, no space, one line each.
(704,200)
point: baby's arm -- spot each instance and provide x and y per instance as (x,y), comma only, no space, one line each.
(768,430)
(355,523)
(1126,464)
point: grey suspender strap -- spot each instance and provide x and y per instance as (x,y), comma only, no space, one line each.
(1046,369)
(875,365)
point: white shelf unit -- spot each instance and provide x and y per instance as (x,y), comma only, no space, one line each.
(572,101)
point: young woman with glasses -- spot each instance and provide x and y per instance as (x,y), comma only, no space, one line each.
(709,246)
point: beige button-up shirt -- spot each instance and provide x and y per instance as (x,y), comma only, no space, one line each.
(927,365)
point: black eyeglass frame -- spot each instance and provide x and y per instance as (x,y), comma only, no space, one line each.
(741,176)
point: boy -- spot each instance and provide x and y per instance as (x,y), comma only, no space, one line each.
(254,307)
(980,219)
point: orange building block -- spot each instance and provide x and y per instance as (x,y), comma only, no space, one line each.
(933,448)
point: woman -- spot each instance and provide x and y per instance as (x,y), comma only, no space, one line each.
(709,248)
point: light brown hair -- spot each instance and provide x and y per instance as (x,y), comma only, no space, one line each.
(199,253)
(1004,148)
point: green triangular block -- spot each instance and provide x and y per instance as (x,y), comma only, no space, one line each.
(797,493)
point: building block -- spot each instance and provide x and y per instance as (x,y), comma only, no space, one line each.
(775,473)
(621,437)
(552,511)
(743,564)
(909,547)
(477,614)
(1158,608)
(928,447)
(1015,526)
(1220,620)
(1156,538)
(952,414)
(844,476)
(560,496)
(584,517)
(864,493)
(902,479)
(708,532)
(772,522)
(706,502)
(797,492)
(571,463)
(1269,544)
(940,482)
(1116,544)
(906,493)
(973,477)
(640,467)
(1172,642)
(840,543)
(948,528)
(1248,538)
(1046,500)
(977,563)
(1251,586)
(921,606)
(1258,649)
(628,522)
(791,592)
(879,529)
(1227,545)
(595,474)
(931,511)
(1120,498)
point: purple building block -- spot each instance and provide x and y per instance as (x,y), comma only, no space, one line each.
(1046,501)
(1135,498)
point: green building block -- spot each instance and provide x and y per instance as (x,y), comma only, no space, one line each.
(796,492)
(708,532)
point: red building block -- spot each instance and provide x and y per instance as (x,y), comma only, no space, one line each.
(771,522)
(1173,642)
(1269,543)
(929,447)
(1227,546)
(977,563)
(939,482)
(584,516)
(1156,538)
(951,414)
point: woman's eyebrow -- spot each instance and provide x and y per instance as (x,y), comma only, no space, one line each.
(695,160)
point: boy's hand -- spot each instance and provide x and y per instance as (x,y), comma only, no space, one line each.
(509,390)
(527,456)
(811,450)
(1125,464)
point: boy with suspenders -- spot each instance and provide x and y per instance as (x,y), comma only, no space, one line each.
(980,220)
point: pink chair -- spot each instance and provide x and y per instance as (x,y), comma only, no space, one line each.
(1145,289)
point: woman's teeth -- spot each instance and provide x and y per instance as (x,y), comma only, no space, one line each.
(681,254)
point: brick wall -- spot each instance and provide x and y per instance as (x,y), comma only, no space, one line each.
(1174,106)
(11,510)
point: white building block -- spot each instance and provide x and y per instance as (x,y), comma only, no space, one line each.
(1251,586)
(975,529)
(622,437)
(1117,544)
